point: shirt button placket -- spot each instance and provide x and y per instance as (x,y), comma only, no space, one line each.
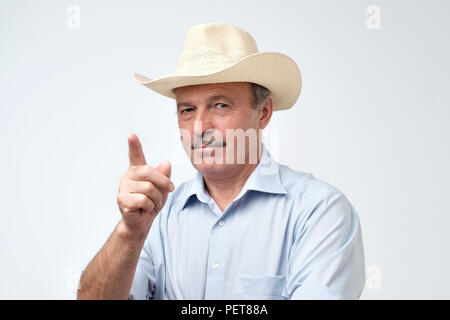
(215,279)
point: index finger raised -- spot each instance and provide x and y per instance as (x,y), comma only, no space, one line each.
(135,152)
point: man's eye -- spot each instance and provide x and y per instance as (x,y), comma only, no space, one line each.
(221,105)
(186,110)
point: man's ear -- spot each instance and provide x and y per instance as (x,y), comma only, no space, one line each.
(265,113)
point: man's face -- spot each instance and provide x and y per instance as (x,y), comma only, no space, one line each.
(218,126)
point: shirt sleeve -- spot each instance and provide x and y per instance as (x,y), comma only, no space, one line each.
(327,258)
(144,282)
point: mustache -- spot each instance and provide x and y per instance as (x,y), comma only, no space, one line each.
(212,142)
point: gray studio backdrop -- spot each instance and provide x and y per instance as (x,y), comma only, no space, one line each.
(372,119)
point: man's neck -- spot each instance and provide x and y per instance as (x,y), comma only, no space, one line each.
(224,189)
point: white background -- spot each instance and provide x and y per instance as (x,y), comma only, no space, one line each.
(372,119)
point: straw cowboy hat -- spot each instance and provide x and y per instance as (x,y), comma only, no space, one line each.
(217,53)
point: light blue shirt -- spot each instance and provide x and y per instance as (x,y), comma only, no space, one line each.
(287,235)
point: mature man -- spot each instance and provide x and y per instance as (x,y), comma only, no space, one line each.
(245,227)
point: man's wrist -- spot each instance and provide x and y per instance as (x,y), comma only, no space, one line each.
(128,235)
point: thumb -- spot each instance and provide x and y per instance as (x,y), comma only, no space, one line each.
(135,153)
(165,168)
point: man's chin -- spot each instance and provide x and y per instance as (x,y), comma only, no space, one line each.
(208,168)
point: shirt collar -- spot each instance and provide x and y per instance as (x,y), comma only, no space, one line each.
(264,178)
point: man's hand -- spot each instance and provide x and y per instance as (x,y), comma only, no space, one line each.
(142,194)
(143,191)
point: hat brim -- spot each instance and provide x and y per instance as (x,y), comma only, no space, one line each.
(275,71)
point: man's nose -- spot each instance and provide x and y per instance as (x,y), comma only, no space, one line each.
(204,117)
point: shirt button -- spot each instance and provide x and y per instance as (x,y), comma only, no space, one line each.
(221,223)
(215,266)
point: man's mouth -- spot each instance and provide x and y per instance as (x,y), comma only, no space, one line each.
(207,143)
(212,143)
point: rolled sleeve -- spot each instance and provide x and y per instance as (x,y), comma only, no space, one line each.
(143,287)
(327,259)
(315,292)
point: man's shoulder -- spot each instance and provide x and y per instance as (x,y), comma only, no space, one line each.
(309,192)
(305,184)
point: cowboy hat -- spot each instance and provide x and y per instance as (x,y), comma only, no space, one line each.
(217,53)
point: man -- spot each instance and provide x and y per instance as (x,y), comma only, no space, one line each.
(244,227)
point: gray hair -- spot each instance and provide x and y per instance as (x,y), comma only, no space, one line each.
(260,95)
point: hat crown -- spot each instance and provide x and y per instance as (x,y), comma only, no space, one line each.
(213,47)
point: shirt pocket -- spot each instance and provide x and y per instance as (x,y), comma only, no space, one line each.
(259,287)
